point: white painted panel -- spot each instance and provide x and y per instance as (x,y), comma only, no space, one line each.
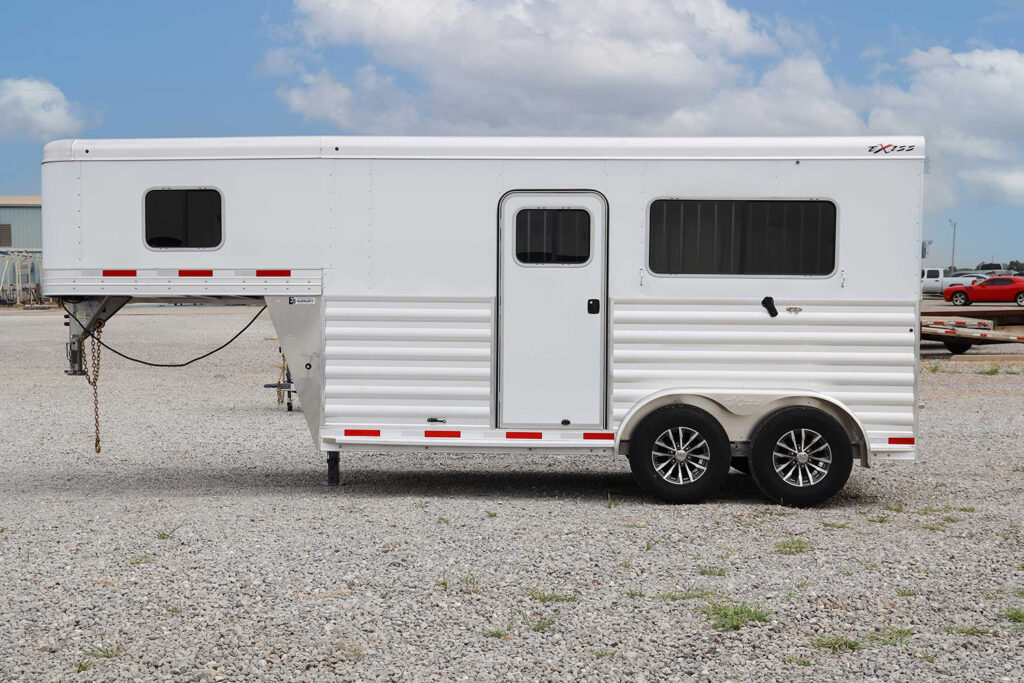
(276,213)
(433,228)
(551,370)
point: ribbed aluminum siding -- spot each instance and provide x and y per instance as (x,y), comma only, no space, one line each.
(860,353)
(26,226)
(401,361)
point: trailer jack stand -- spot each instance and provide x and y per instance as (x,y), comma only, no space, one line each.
(333,475)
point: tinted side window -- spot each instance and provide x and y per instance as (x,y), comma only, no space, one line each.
(998,282)
(552,236)
(730,237)
(183,219)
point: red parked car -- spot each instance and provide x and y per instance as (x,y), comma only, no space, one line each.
(1000,288)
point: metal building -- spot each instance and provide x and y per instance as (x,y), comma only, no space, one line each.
(21,248)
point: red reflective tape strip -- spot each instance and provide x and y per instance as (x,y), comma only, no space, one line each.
(602,436)
(524,435)
(362,432)
(983,334)
(195,273)
(901,441)
(273,273)
(119,273)
(442,434)
(950,331)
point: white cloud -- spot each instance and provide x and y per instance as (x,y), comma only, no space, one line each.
(1007,185)
(570,67)
(662,67)
(34,109)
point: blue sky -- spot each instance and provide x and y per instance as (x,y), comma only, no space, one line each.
(951,70)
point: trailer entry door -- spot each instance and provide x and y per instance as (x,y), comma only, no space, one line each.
(552,307)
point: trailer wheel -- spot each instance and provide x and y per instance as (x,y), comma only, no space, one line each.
(957,345)
(960,299)
(679,454)
(801,456)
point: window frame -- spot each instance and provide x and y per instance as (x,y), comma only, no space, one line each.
(648,228)
(223,219)
(590,224)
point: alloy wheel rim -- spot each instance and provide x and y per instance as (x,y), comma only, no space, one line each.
(802,457)
(680,455)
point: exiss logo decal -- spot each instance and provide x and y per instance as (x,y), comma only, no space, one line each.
(889,149)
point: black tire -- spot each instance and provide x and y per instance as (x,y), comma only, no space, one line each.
(957,345)
(800,420)
(1019,298)
(688,419)
(960,299)
(741,464)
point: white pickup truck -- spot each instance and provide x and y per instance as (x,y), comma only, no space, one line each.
(934,282)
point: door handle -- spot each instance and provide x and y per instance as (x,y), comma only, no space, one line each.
(593,306)
(769,305)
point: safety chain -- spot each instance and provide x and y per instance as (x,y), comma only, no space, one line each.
(281,380)
(93,377)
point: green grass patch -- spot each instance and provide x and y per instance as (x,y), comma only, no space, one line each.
(990,371)
(711,571)
(490,513)
(792,546)
(601,654)
(80,665)
(891,636)
(835,525)
(634,593)
(499,633)
(1015,614)
(546,596)
(971,630)
(167,534)
(880,519)
(688,594)
(107,651)
(836,644)
(541,624)
(907,592)
(895,508)
(732,616)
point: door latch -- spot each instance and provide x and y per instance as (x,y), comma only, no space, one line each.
(593,306)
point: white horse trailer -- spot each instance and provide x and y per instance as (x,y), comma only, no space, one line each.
(688,303)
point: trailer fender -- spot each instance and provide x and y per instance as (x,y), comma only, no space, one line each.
(741,412)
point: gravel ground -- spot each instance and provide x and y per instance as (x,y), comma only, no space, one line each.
(201,543)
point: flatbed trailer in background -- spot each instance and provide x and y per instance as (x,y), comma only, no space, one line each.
(960,333)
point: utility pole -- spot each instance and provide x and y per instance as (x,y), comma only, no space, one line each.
(952,264)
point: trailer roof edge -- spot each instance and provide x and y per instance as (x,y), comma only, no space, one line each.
(360,147)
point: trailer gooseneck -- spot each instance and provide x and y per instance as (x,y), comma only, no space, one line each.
(692,304)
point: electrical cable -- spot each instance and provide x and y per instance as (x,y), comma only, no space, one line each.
(168,365)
